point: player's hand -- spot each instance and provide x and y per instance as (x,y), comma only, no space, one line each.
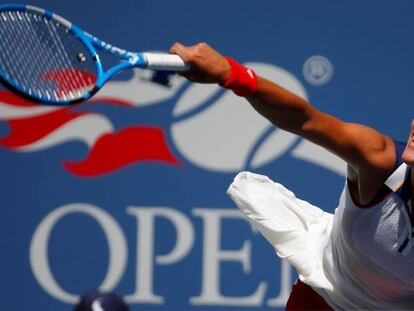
(206,64)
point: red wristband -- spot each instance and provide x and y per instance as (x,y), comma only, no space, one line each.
(242,81)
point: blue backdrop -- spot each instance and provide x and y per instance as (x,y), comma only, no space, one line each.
(127,192)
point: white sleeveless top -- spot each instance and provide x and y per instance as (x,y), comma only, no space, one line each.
(359,258)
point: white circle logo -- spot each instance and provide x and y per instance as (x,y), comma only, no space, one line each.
(219,131)
(317,70)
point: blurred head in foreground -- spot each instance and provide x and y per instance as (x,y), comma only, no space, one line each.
(99,301)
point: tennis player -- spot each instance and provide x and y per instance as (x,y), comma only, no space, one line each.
(362,256)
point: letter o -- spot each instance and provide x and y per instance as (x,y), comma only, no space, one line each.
(118,251)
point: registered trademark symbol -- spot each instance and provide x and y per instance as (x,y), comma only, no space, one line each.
(317,70)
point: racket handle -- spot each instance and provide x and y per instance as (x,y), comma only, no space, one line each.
(164,61)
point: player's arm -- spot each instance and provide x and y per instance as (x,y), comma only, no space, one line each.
(369,154)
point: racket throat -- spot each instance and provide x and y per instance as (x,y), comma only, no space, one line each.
(135,59)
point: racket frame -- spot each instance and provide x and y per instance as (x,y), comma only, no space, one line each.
(92,43)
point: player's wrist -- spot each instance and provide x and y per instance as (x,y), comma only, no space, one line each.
(240,79)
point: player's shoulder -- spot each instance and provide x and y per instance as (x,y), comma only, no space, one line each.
(368,179)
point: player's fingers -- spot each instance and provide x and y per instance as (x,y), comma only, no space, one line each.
(186,75)
(180,50)
(190,76)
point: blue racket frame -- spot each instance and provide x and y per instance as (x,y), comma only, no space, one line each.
(130,59)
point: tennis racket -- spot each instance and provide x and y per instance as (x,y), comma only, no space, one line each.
(49,60)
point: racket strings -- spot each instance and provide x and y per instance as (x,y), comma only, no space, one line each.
(21,60)
(8,59)
(68,79)
(18,35)
(41,56)
(25,62)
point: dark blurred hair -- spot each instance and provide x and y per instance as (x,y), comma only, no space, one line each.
(107,301)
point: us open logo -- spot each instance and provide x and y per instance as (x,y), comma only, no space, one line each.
(221,132)
(210,128)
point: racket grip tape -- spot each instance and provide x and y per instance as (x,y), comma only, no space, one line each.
(242,80)
(164,61)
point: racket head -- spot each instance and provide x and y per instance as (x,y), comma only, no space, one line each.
(46,58)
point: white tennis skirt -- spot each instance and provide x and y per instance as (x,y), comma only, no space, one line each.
(298,231)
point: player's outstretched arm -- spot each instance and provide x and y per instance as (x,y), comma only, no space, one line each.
(369,154)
